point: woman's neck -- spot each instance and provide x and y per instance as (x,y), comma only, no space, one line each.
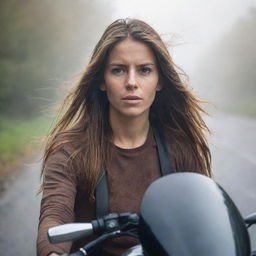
(129,132)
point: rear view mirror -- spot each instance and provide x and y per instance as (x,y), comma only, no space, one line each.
(250,219)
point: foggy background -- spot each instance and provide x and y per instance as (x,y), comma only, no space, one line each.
(45,46)
(212,41)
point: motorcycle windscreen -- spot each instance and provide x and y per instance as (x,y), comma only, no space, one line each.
(188,214)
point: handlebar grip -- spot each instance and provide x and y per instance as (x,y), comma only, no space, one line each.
(69,232)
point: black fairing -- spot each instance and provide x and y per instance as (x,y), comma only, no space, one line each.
(189,214)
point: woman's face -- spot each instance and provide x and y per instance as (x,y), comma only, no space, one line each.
(130,79)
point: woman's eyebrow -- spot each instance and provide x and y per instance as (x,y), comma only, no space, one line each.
(123,65)
(147,64)
(117,64)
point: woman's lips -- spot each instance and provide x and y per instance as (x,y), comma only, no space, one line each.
(131,99)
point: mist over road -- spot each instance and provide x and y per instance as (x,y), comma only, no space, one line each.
(19,211)
(233,150)
(234,162)
(234,165)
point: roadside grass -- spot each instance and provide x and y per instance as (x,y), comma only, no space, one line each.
(20,138)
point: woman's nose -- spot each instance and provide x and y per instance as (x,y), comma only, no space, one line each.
(131,82)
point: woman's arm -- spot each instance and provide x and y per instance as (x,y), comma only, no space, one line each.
(57,204)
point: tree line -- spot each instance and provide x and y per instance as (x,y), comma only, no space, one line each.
(227,71)
(42,44)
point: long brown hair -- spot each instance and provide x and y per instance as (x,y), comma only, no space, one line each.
(85,124)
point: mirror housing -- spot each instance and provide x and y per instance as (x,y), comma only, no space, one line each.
(250,219)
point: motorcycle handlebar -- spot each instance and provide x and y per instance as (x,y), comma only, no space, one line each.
(69,232)
(108,223)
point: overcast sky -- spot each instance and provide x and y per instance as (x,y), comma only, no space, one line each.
(194,23)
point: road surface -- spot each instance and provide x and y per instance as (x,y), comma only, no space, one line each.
(234,164)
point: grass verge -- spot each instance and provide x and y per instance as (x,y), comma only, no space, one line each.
(21,138)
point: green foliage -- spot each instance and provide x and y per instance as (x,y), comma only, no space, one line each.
(43,43)
(18,137)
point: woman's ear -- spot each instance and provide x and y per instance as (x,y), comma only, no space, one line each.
(103,87)
(159,87)
(159,84)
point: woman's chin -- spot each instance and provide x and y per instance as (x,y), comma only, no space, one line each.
(134,114)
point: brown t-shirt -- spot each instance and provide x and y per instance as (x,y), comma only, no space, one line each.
(65,200)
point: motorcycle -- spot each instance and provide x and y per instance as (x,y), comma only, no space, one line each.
(182,214)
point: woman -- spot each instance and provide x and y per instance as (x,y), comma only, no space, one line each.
(130,89)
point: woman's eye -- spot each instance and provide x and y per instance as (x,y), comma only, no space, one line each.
(117,71)
(145,70)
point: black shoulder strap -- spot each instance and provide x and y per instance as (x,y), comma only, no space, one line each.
(101,193)
(164,159)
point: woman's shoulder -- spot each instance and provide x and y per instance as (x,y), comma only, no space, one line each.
(61,158)
(168,133)
(174,140)
(66,143)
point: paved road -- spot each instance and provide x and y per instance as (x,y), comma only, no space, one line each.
(19,210)
(233,147)
(234,163)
